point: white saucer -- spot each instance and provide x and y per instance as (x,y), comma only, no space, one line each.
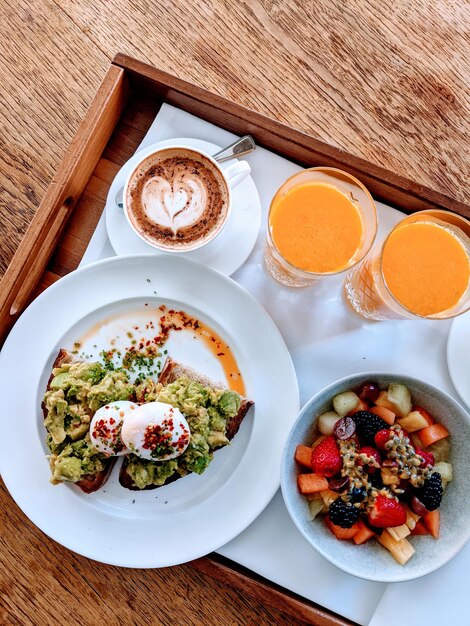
(227,252)
(458,351)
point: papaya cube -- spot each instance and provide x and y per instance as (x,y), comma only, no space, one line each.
(311,483)
(431,434)
(303,455)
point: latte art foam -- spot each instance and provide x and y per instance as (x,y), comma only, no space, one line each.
(178,203)
(177,198)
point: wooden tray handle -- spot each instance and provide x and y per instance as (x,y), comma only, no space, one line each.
(40,240)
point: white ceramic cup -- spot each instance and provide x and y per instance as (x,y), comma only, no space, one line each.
(233,176)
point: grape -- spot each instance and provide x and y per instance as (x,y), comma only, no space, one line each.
(344,428)
(368,391)
(417,506)
(338,484)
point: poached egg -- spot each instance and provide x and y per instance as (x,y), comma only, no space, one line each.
(156,431)
(106,425)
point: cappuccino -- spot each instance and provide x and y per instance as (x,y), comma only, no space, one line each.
(177,199)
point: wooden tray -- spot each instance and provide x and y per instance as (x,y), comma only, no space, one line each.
(116,122)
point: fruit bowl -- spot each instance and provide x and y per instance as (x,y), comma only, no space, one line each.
(371,561)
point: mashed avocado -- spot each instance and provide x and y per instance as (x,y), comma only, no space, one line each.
(77,391)
(207,412)
(75,461)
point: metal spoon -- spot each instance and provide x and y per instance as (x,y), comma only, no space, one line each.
(238,148)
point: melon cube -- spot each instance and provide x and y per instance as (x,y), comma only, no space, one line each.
(445,470)
(315,507)
(327,421)
(345,402)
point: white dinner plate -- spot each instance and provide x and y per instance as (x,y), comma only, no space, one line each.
(227,252)
(192,516)
(458,356)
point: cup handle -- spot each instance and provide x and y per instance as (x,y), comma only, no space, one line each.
(236,173)
(119,199)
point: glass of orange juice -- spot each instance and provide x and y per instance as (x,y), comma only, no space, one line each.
(421,271)
(321,222)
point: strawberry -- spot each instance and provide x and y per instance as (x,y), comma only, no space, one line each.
(326,458)
(387,512)
(375,454)
(381,438)
(427,456)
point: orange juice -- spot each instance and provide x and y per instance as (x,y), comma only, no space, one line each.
(316,227)
(425,267)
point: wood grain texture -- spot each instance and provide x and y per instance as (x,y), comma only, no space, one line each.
(49,73)
(51,585)
(62,196)
(386,81)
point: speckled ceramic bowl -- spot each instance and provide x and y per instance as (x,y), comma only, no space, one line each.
(371,561)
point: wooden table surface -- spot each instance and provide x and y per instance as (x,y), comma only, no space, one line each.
(385,80)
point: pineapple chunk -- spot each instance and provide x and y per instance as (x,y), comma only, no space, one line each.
(400,397)
(445,470)
(313,496)
(345,402)
(413,421)
(388,477)
(326,422)
(440,449)
(317,441)
(329,496)
(401,550)
(399,532)
(315,507)
(411,518)
(382,400)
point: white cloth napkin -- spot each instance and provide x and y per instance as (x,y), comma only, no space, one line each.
(327,341)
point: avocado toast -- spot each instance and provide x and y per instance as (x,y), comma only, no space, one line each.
(77,389)
(214,414)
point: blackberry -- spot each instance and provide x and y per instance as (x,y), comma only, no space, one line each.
(368,425)
(357,494)
(375,480)
(343,514)
(430,494)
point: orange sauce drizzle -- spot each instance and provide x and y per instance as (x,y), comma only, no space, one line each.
(219,349)
(170,320)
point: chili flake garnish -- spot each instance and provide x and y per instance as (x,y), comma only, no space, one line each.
(158,438)
(108,435)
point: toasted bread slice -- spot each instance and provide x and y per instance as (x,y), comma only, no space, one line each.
(90,482)
(172,371)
